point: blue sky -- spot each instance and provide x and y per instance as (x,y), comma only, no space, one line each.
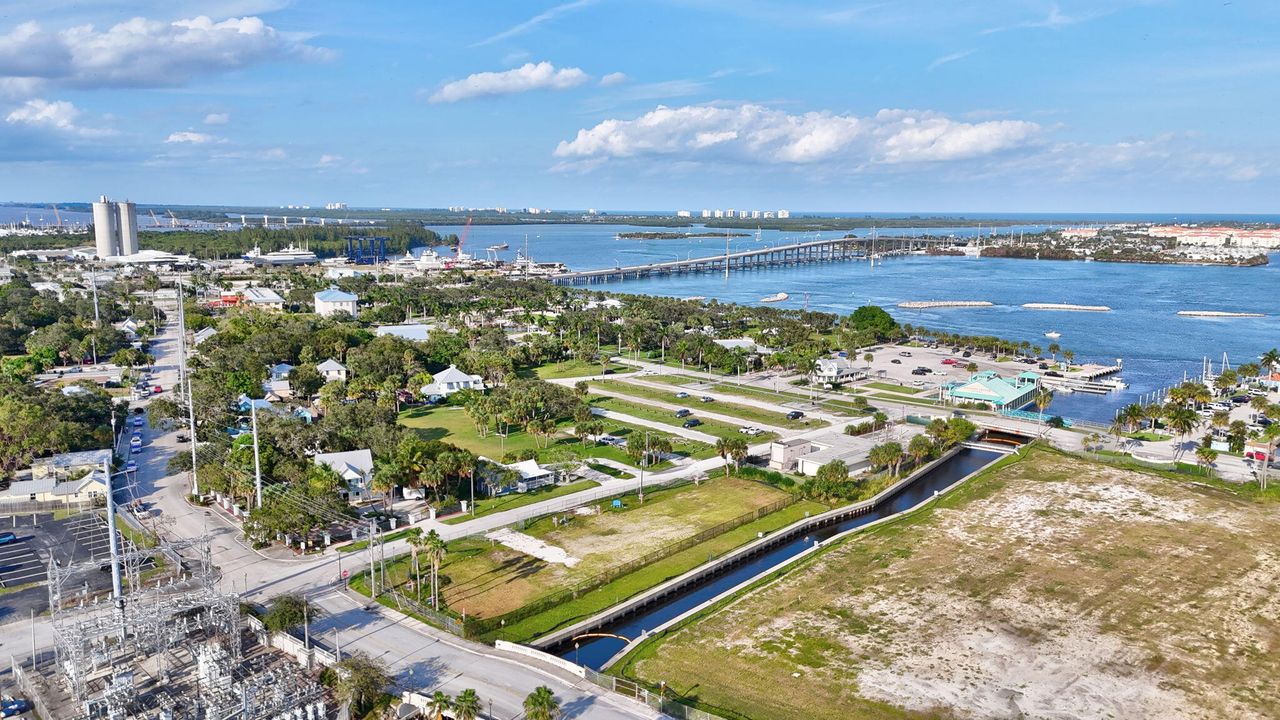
(999,105)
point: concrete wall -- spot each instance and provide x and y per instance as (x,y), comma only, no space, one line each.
(548,658)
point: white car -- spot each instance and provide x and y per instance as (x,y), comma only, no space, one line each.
(1258,392)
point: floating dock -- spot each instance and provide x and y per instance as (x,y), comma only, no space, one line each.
(1219,314)
(927,304)
(1066,306)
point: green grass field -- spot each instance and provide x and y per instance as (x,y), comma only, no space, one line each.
(484,579)
(747,413)
(836,407)
(667,417)
(486,506)
(453,425)
(573,368)
(890,387)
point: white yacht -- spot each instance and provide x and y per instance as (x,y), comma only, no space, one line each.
(291,255)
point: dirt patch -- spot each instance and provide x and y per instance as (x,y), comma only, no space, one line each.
(1052,588)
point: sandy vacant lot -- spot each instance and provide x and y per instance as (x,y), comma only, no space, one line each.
(1052,588)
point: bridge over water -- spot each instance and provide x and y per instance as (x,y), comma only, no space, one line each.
(815,251)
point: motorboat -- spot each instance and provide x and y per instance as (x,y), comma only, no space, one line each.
(776,297)
(1053,334)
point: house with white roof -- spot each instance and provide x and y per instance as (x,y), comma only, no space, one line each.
(832,370)
(332,370)
(262,298)
(203,334)
(746,344)
(356,468)
(449,381)
(333,300)
(417,332)
(522,477)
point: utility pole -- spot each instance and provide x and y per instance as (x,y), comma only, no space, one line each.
(184,381)
(257,464)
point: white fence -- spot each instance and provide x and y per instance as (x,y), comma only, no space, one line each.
(548,658)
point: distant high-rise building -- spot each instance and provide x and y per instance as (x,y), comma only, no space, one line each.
(719,213)
(683,213)
(706,213)
(755,214)
(742,214)
(784,214)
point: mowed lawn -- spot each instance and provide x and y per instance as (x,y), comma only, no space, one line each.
(746,413)
(791,395)
(1091,591)
(576,368)
(485,579)
(453,425)
(667,417)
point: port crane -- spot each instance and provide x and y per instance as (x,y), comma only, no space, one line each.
(155,220)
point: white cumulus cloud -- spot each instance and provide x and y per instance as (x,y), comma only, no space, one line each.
(755,133)
(530,76)
(145,53)
(613,78)
(217,118)
(194,138)
(57,115)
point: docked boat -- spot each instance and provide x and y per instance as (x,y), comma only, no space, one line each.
(1053,334)
(776,297)
(695,298)
(291,255)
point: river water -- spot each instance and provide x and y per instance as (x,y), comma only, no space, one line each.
(1143,329)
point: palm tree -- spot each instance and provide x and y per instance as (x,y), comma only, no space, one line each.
(737,451)
(1183,421)
(436,551)
(541,704)
(467,705)
(722,449)
(1131,416)
(1044,396)
(1269,360)
(416,543)
(1117,431)
(1205,456)
(919,448)
(439,704)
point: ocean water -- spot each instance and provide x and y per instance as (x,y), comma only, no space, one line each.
(1143,330)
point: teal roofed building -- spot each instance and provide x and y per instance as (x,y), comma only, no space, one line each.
(998,392)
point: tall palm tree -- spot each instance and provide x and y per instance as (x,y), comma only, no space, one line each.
(416,544)
(439,704)
(467,705)
(1044,396)
(1131,416)
(722,449)
(1269,360)
(1183,421)
(436,551)
(541,704)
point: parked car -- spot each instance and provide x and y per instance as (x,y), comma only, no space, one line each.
(139,410)
(13,707)
(795,415)
(966,353)
(137,421)
(920,371)
(682,395)
(182,437)
(707,399)
(1240,399)
(896,361)
(157,390)
(683,412)
(130,466)
(949,361)
(904,353)
(135,444)
(748,430)
(1258,392)
(1053,373)
(8,537)
(691,422)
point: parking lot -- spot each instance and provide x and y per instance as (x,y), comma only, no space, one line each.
(20,564)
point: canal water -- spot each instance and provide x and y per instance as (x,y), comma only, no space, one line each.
(1143,328)
(596,652)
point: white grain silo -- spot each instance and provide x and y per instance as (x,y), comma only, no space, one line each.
(127,214)
(106,228)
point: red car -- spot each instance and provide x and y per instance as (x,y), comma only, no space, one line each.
(157,389)
(949,361)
